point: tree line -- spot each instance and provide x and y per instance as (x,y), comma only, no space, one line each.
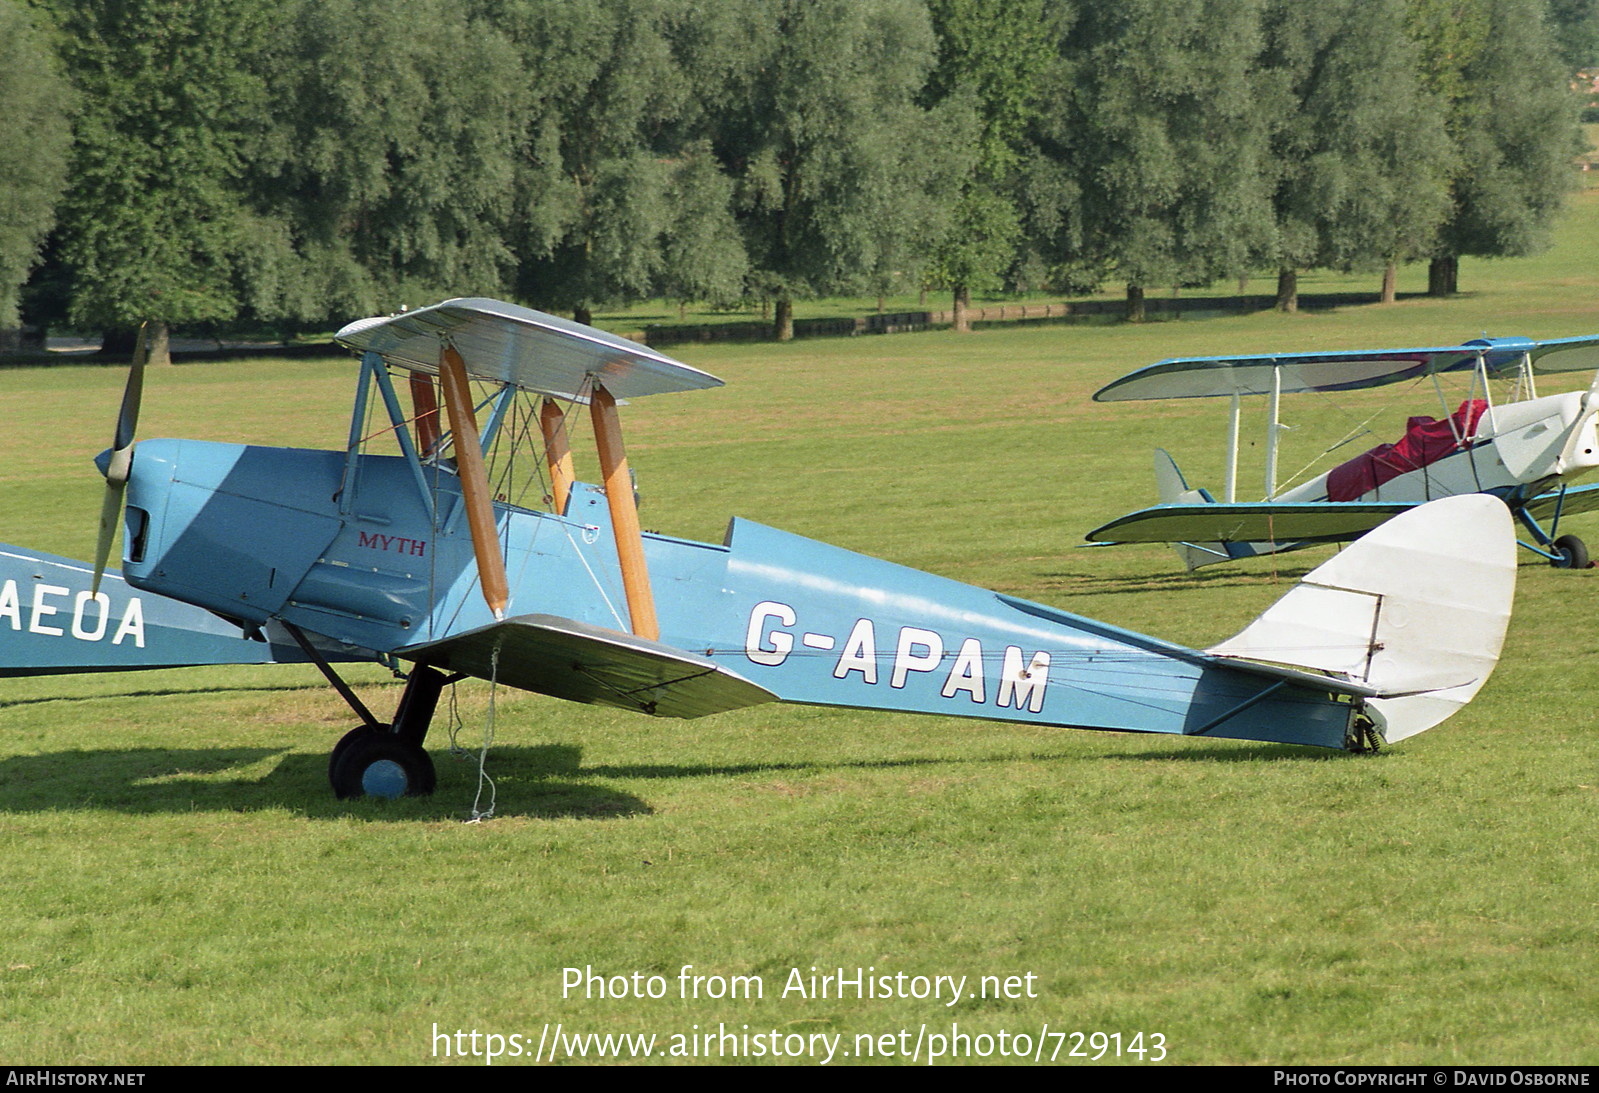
(290,163)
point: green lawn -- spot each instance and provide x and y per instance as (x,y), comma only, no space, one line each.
(178,885)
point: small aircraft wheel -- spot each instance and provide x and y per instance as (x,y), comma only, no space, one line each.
(377,764)
(360,732)
(1573,553)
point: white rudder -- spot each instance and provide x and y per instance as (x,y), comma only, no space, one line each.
(1416,609)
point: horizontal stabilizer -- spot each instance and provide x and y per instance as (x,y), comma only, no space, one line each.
(582,663)
(1253,522)
(1416,611)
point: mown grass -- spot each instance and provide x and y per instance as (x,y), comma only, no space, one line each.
(178,885)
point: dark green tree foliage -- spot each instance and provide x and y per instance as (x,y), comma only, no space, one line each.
(820,129)
(390,179)
(702,255)
(1359,158)
(1513,121)
(1575,25)
(1157,121)
(171,102)
(34,140)
(993,61)
(610,184)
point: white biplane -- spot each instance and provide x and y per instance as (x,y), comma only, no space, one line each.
(1526,450)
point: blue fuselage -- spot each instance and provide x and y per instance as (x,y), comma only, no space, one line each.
(352,548)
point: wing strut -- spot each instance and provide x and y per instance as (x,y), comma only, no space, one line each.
(474,480)
(426,404)
(624,514)
(557,453)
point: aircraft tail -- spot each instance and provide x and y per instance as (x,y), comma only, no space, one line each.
(1174,490)
(1416,609)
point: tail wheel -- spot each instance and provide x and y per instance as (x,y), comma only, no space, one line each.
(1573,553)
(379,764)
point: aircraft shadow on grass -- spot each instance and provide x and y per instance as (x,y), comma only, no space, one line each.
(539,782)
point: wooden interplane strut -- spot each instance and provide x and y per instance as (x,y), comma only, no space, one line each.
(624,514)
(474,480)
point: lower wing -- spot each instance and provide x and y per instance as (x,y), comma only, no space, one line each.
(1255,522)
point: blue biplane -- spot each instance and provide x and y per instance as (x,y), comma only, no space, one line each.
(1528,451)
(417,558)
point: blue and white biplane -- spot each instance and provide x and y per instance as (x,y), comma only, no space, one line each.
(423,558)
(1529,451)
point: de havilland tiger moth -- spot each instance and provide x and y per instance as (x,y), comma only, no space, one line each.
(1527,450)
(246,552)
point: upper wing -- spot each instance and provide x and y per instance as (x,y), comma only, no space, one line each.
(1254,522)
(1343,370)
(504,343)
(573,660)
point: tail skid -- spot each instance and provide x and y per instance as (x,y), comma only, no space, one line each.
(1416,610)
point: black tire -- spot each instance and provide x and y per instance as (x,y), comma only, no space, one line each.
(357,733)
(379,764)
(1573,553)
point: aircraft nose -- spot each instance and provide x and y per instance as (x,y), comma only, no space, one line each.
(103,461)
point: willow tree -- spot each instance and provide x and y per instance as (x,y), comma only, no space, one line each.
(154,224)
(1513,123)
(995,60)
(1359,157)
(818,124)
(389,177)
(1155,121)
(34,141)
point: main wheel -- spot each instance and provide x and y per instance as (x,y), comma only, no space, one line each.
(378,764)
(360,732)
(1573,553)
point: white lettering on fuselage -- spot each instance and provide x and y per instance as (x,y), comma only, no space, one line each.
(87,623)
(1022,683)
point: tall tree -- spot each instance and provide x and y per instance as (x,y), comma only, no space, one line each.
(1575,25)
(610,182)
(389,176)
(171,97)
(1156,121)
(34,140)
(820,129)
(1358,151)
(1512,118)
(994,60)
(702,256)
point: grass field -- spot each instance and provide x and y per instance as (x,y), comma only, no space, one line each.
(178,885)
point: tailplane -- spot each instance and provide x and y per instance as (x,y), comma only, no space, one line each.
(1416,610)
(1174,490)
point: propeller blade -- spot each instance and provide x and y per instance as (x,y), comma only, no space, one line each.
(121,463)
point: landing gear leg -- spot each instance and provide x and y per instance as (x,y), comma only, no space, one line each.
(1362,737)
(377,759)
(388,760)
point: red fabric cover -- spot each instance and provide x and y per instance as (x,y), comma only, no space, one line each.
(1426,440)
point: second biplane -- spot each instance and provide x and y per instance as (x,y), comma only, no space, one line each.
(1528,451)
(415,558)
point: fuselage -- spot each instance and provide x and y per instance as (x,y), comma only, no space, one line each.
(1533,443)
(351,548)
